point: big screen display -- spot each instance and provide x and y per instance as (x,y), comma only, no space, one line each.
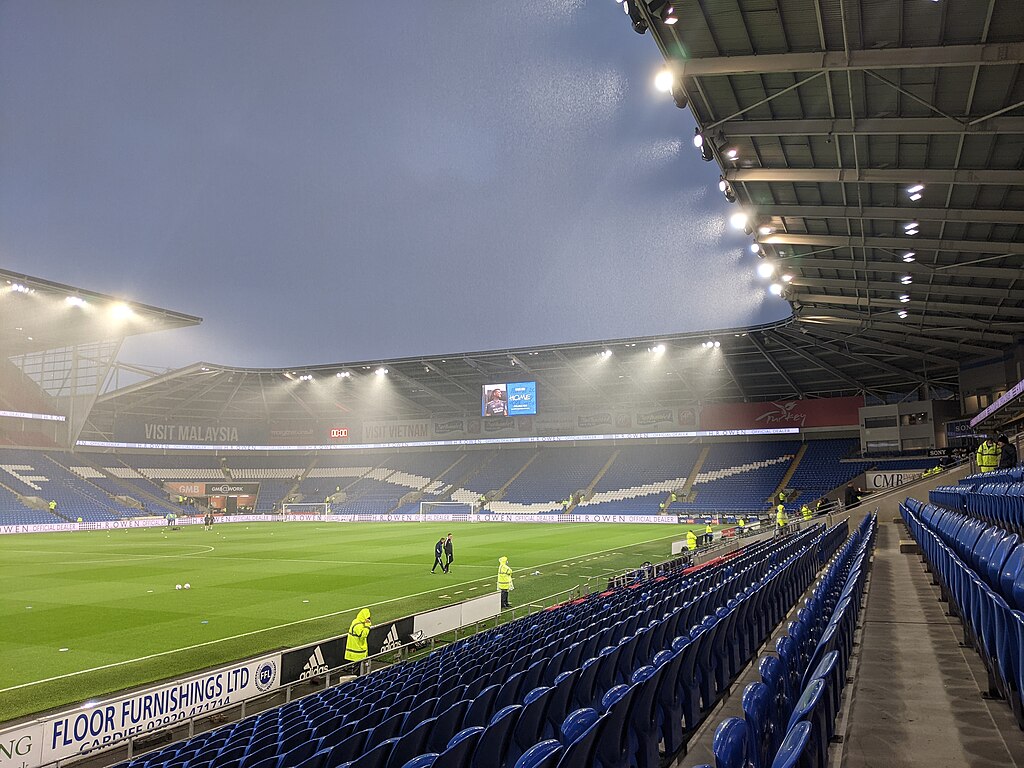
(518,398)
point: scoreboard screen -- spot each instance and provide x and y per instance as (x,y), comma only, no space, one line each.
(518,398)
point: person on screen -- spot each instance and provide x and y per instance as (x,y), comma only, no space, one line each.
(495,404)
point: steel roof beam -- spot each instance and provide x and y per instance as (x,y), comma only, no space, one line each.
(929,289)
(1007,273)
(919,325)
(873,361)
(874,175)
(962,215)
(938,306)
(778,368)
(882,58)
(896,243)
(819,363)
(846,337)
(870,126)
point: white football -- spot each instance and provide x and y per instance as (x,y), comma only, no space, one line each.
(188,586)
(177,586)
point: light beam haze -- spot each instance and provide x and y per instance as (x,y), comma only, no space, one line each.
(329,182)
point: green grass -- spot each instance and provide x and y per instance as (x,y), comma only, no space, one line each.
(109,597)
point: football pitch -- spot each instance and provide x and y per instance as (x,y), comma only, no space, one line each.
(86,614)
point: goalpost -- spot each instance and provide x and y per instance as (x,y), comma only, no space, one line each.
(306,508)
(459,510)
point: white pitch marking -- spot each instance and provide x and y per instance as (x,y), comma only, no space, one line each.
(173,651)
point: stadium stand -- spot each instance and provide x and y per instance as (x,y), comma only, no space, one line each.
(739,477)
(610,678)
(736,477)
(36,474)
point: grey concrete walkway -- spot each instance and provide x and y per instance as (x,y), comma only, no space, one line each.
(917,697)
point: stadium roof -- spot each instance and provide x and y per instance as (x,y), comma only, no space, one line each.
(762,363)
(852,134)
(37,315)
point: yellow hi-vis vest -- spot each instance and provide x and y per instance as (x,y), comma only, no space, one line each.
(504,574)
(780,516)
(691,540)
(988,456)
(358,631)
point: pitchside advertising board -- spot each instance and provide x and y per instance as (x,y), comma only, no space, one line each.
(91,729)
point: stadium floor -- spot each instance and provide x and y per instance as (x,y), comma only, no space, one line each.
(86,614)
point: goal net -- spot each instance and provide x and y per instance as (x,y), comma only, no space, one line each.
(306,508)
(454,510)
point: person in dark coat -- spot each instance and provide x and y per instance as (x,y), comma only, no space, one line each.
(449,553)
(438,553)
(1007,453)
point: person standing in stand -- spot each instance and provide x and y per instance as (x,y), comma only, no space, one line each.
(449,553)
(1007,453)
(438,554)
(358,631)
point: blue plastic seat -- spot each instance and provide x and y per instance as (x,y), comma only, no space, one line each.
(793,746)
(493,744)
(482,708)
(542,755)
(614,748)
(643,718)
(422,761)
(446,725)
(730,744)
(377,757)
(580,734)
(532,724)
(459,752)
(810,707)
(411,743)
(757,706)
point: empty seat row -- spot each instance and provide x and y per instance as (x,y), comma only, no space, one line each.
(789,716)
(991,625)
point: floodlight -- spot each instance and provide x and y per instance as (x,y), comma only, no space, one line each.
(755,248)
(698,138)
(382,371)
(775,289)
(75,301)
(717,344)
(906,280)
(765,269)
(905,297)
(343,374)
(908,256)
(787,278)
(765,230)
(663,81)
(738,220)
(902,314)
(658,349)
(915,189)
(916,197)
(120,311)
